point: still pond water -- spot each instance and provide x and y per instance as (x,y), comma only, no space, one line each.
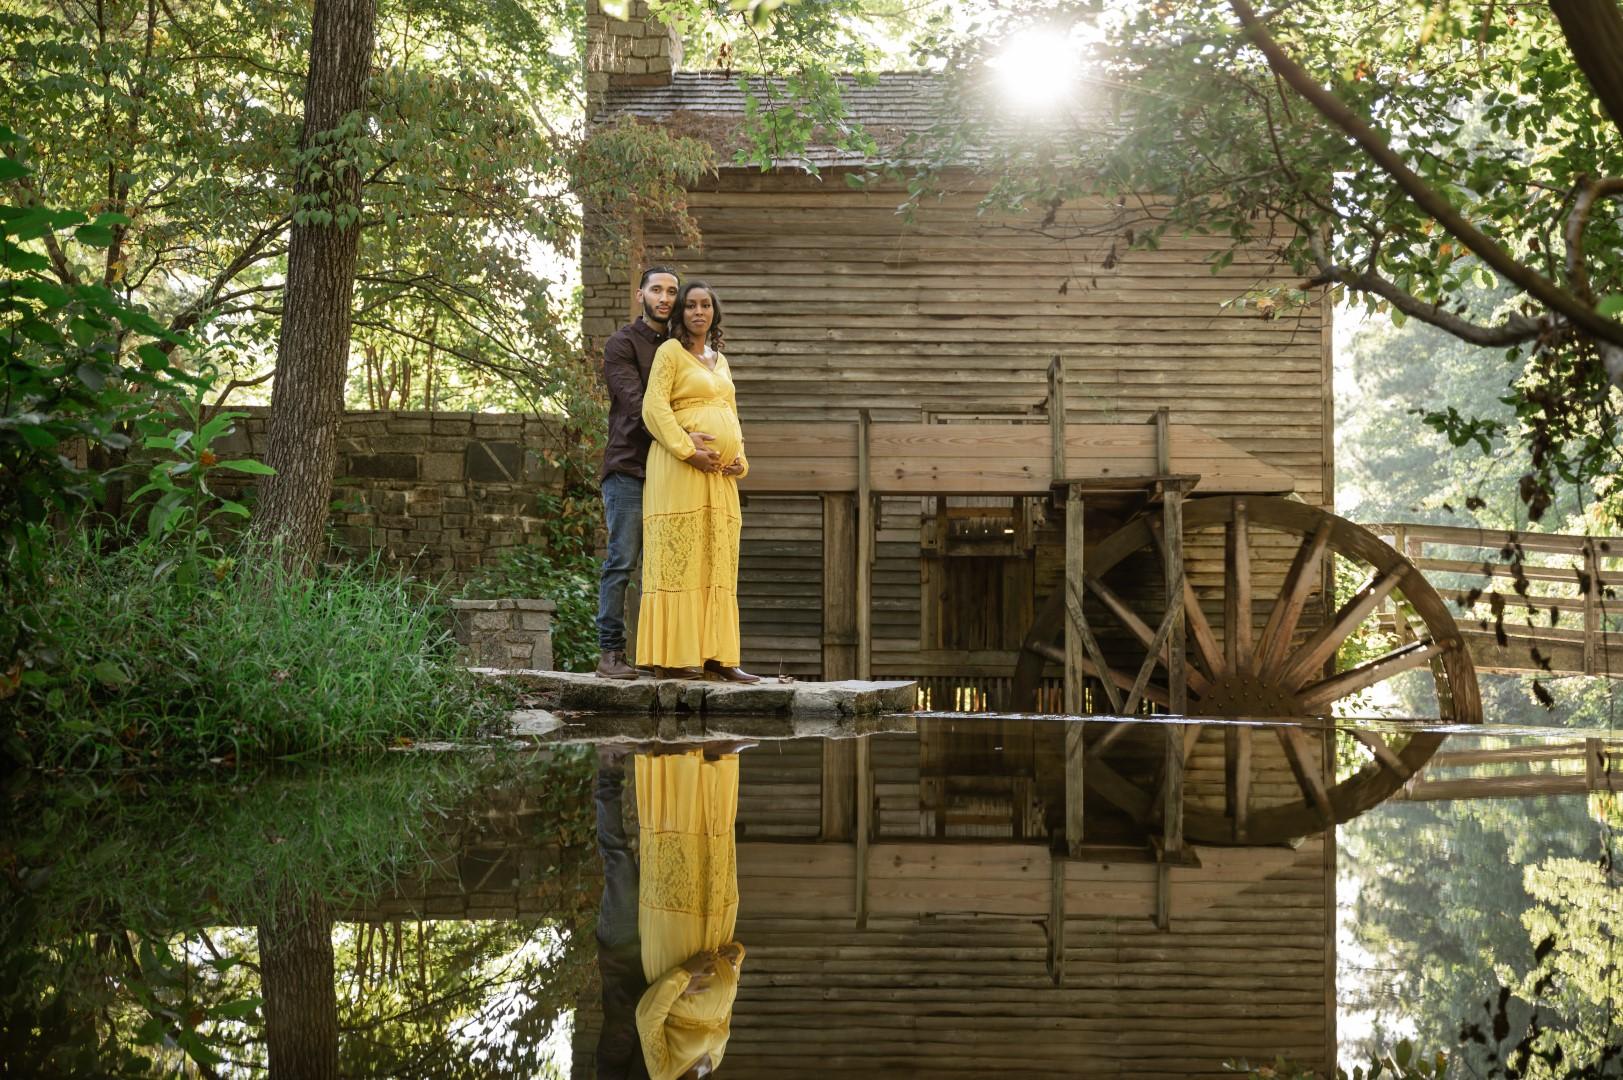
(908,904)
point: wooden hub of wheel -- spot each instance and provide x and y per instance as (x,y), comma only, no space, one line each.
(1245,695)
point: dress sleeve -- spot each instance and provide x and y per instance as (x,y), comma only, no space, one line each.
(732,395)
(652,1012)
(657,415)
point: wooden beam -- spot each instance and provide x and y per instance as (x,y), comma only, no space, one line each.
(865,550)
(1056,921)
(840,635)
(864,826)
(1056,418)
(1163,440)
(839,789)
(1076,630)
(1592,607)
(1177,677)
(1075,765)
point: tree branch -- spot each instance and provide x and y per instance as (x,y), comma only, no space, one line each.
(1516,329)
(1589,193)
(1530,281)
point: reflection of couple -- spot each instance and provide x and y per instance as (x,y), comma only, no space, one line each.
(671,467)
(666,952)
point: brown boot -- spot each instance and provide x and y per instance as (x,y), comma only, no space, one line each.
(716,673)
(612,665)
(683,673)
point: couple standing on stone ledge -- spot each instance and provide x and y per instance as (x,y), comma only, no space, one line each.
(670,474)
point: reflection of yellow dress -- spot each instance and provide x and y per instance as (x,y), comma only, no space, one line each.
(687,904)
(690,519)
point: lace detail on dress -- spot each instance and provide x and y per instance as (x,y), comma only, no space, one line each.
(691,550)
(690,873)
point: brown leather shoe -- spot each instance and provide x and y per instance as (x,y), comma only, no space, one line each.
(716,673)
(612,665)
(683,673)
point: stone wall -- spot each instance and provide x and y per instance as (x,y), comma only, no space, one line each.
(442,492)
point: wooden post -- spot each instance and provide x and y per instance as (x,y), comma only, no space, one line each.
(1074,589)
(1075,756)
(1163,441)
(1591,608)
(839,789)
(1056,420)
(864,825)
(840,639)
(1056,921)
(1177,686)
(865,551)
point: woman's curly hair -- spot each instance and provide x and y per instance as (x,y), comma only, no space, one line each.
(677,328)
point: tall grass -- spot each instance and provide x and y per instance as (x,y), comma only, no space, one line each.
(135,662)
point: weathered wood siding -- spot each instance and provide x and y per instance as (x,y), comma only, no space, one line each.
(834,303)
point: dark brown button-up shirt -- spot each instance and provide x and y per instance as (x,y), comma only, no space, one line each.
(627,359)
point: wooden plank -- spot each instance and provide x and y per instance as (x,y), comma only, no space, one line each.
(864,825)
(1075,763)
(838,793)
(841,635)
(865,549)
(1076,632)
(1056,922)
(1177,679)
(1056,417)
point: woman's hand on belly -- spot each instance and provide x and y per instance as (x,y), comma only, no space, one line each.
(704,458)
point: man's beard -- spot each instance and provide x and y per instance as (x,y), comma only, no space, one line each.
(651,315)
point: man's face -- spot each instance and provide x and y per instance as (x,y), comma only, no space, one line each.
(656,297)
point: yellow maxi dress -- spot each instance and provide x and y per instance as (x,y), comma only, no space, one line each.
(687,904)
(690,519)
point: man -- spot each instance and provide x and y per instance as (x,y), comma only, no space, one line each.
(619,949)
(627,358)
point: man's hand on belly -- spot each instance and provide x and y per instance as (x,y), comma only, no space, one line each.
(704,459)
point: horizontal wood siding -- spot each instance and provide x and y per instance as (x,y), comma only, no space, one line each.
(834,303)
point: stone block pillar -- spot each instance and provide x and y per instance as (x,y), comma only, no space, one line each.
(510,634)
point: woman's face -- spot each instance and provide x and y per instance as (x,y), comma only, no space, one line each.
(698,312)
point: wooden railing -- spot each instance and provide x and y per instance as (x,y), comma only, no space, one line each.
(1572,768)
(1548,602)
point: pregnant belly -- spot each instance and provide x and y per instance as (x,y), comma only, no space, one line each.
(718,421)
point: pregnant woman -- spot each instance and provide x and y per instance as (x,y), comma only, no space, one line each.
(688,623)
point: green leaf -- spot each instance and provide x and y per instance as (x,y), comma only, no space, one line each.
(92,376)
(110,673)
(247,465)
(11,169)
(236,1010)
(152,357)
(228,506)
(94,235)
(1610,306)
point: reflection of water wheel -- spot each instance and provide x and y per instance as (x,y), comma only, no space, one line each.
(1274,673)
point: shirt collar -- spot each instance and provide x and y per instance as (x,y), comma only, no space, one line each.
(640,325)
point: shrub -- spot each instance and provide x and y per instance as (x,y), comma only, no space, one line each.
(132,662)
(561,568)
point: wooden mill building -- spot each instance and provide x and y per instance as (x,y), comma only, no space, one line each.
(836,305)
(931,404)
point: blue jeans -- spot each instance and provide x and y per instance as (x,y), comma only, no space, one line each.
(622,512)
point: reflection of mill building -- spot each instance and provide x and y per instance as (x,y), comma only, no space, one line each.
(950,418)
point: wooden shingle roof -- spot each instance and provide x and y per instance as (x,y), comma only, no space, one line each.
(710,105)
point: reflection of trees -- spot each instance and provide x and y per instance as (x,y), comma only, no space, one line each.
(128,919)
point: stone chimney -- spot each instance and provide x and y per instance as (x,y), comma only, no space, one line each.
(634,51)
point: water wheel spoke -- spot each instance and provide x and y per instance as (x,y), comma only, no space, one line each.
(1300,756)
(1287,609)
(1191,736)
(1383,667)
(1045,650)
(1140,629)
(1237,645)
(1237,777)
(1327,639)
(1209,655)
(1385,755)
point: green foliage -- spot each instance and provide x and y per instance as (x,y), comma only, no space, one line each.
(79,365)
(185,505)
(129,914)
(560,568)
(1483,103)
(134,662)
(1402,1063)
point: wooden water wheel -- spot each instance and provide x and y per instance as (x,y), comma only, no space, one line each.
(1277,673)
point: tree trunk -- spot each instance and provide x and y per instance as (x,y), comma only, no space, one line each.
(312,354)
(1594,33)
(301,1002)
